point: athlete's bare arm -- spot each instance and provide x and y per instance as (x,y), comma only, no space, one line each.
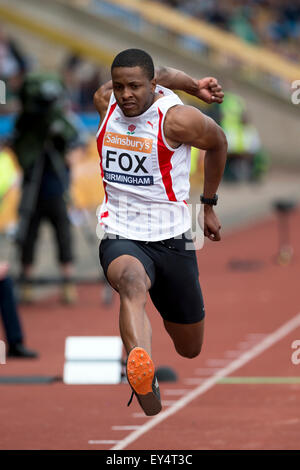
(187,125)
(207,89)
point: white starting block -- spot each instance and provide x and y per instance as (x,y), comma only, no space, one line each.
(93,360)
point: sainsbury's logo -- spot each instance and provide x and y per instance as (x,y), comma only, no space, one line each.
(128,142)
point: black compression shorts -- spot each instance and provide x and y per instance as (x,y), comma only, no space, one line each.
(173,271)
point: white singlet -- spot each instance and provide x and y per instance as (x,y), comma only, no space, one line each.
(146,181)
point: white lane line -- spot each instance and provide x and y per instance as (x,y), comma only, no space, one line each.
(207,370)
(194,380)
(232,354)
(125,428)
(217,362)
(168,402)
(247,356)
(140,415)
(174,391)
(111,441)
(256,336)
(246,344)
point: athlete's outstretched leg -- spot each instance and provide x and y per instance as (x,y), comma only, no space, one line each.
(127,275)
(187,338)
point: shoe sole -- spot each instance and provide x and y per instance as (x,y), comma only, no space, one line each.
(140,374)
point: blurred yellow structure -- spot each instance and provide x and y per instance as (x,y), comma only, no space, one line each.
(221,43)
(87,188)
(197,167)
(9,188)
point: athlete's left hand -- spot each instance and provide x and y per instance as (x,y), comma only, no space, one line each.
(212,224)
(209,90)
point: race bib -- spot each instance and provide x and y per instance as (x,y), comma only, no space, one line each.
(127,159)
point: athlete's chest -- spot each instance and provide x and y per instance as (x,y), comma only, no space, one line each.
(129,148)
(142,127)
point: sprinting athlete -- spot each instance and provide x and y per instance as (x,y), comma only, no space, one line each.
(144,145)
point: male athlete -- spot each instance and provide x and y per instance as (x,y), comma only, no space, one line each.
(144,145)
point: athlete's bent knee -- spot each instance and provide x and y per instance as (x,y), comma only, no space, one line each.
(189,352)
(131,283)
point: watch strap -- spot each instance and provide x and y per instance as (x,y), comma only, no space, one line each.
(210,201)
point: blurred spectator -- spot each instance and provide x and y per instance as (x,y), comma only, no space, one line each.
(13,66)
(10,317)
(246,160)
(242,24)
(45,134)
(271,23)
(81,78)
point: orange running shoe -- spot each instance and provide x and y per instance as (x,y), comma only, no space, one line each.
(142,379)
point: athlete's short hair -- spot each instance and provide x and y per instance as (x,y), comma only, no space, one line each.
(135,58)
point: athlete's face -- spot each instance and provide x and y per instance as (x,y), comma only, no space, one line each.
(134,92)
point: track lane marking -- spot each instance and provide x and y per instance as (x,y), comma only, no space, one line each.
(259,380)
(194,380)
(207,370)
(217,362)
(232,354)
(140,415)
(174,391)
(125,427)
(103,441)
(245,357)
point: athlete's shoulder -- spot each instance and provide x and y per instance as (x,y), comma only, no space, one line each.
(168,94)
(182,116)
(182,122)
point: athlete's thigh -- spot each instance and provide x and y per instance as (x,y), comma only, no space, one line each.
(118,256)
(126,264)
(176,292)
(188,338)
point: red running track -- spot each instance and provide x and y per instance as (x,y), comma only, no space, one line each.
(244,307)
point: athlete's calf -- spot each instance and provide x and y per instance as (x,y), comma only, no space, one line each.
(128,276)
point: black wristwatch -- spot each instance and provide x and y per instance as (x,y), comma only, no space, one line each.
(210,201)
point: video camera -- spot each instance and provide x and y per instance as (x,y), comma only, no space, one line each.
(40,92)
